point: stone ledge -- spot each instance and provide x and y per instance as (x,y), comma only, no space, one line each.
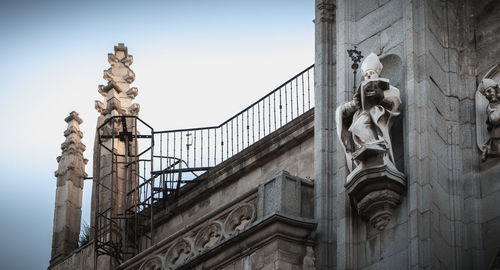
(56,262)
(274,226)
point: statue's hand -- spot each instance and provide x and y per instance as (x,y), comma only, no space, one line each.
(356,100)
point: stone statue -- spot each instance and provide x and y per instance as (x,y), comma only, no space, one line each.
(491,91)
(363,124)
(308,263)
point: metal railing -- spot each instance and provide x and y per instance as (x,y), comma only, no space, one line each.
(151,166)
(181,155)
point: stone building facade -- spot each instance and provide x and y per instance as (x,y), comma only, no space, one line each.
(418,189)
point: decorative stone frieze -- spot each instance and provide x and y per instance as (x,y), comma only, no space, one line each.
(239,219)
(488,114)
(203,237)
(179,252)
(209,236)
(363,127)
(153,263)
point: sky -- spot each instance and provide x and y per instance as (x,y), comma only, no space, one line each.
(197,63)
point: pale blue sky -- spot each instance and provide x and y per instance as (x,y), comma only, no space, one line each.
(196,64)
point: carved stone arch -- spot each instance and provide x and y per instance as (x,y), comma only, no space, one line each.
(239,219)
(481,104)
(156,262)
(394,71)
(178,253)
(208,236)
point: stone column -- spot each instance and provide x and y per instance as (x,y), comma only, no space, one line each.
(70,177)
(324,134)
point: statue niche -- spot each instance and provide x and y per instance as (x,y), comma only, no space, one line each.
(364,125)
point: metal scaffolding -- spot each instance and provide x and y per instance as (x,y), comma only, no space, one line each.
(137,178)
(124,188)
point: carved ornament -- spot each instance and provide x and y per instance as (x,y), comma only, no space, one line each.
(239,219)
(326,12)
(208,236)
(203,237)
(180,252)
(118,95)
(153,263)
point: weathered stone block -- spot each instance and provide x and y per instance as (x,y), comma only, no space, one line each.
(378,20)
(363,7)
(391,37)
(283,193)
(393,240)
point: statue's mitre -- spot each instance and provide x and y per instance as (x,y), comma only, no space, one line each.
(485,83)
(371,63)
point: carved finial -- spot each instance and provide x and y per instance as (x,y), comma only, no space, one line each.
(73,116)
(72,148)
(121,48)
(70,177)
(118,95)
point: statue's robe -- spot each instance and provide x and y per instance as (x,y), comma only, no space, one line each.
(357,127)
